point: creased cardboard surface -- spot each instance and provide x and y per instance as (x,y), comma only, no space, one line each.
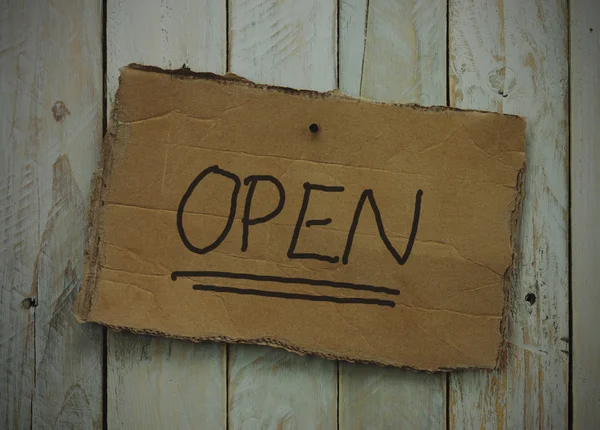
(398,252)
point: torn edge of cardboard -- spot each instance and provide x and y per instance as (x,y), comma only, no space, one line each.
(102,176)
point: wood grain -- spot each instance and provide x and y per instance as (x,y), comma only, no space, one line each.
(585,210)
(275,389)
(166,33)
(403,58)
(165,383)
(157,383)
(373,397)
(405,52)
(352,37)
(511,56)
(288,43)
(51,126)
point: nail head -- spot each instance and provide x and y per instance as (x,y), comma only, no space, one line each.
(530,298)
(29,303)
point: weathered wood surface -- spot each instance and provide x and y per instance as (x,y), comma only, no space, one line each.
(166,33)
(511,57)
(51,127)
(404,56)
(506,56)
(288,43)
(275,389)
(156,383)
(585,210)
(392,50)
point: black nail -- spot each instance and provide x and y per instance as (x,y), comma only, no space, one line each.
(313,128)
(29,303)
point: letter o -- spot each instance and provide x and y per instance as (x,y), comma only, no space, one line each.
(232,209)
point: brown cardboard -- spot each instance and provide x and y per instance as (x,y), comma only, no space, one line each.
(447,181)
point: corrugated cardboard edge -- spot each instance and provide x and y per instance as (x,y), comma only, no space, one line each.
(511,273)
(83,303)
(91,270)
(231,78)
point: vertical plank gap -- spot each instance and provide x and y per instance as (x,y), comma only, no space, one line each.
(33,388)
(569,229)
(337,369)
(227,357)
(337,85)
(362,66)
(104,378)
(447,401)
(447,394)
(227,60)
(337,56)
(104,129)
(104,84)
(448,104)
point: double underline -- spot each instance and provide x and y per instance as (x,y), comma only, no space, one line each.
(286,280)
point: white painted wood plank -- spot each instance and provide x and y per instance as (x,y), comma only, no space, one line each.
(511,56)
(68,389)
(289,43)
(404,60)
(352,38)
(405,52)
(156,383)
(585,210)
(375,398)
(19,219)
(274,389)
(165,33)
(51,126)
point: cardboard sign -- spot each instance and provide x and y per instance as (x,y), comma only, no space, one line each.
(321,224)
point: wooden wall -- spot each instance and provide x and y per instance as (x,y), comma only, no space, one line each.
(508,56)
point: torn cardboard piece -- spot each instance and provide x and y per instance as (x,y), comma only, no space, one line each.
(314,222)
